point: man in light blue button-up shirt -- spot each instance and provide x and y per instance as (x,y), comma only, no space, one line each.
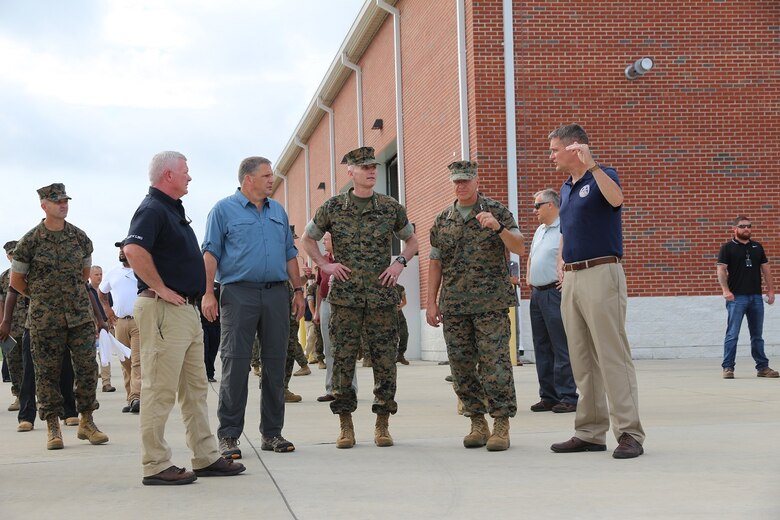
(249,249)
(557,389)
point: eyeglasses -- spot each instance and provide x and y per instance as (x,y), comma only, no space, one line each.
(186,221)
(743,226)
(538,205)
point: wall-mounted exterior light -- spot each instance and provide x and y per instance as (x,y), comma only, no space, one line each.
(321,186)
(378,125)
(639,68)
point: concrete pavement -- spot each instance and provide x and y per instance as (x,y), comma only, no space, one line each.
(711,452)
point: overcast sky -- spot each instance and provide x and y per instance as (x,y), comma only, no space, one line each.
(91,90)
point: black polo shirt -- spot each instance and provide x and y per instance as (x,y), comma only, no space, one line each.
(161,227)
(743,263)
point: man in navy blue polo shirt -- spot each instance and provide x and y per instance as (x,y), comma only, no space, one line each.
(593,299)
(163,251)
(249,248)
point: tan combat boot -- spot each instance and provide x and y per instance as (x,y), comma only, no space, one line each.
(88,430)
(382,436)
(480,432)
(54,442)
(499,441)
(346,438)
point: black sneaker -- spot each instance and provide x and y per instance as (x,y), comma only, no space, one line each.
(135,406)
(278,444)
(228,447)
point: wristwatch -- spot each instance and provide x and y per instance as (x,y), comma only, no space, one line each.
(501,227)
(298,289)
(594,168)
(401,260)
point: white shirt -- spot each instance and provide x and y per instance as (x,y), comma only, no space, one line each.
(123,286)
(544,254)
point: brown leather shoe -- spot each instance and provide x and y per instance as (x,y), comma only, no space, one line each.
(575,445)
(325,398)
(543,406)
(221,468)
(172,476)
(728,373)
(628,447)
(767,372)
(108,388)
(564,408)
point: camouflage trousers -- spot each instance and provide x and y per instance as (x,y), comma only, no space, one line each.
(403,333)
(478,350)
(379,327)
(48,347)
(295,352)
(320,345)
(15,367)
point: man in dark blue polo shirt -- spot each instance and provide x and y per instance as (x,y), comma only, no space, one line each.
(593,299)
(248,247)
(164,254)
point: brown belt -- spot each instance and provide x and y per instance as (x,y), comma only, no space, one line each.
(148,293)
(125,318)
(579,266)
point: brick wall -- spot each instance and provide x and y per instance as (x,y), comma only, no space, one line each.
(695,141)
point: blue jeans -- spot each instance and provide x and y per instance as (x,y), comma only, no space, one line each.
(553,368)
(752,306)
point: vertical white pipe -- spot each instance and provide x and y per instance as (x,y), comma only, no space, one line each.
(359,86)
(332,130)
(306,176)
(399,113)
(465,151)
(509,100)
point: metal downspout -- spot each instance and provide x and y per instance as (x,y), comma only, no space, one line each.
(359,86)
(305,147)
(462,82)
(511,136)
(332,130)
(399,113)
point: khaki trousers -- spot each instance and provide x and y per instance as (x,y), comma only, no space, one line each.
(172,358)
(126,331)
(593,307)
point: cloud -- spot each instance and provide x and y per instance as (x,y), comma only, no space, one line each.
(92,89)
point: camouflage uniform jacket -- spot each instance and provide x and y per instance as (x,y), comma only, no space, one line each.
(20,310)
(475,276)
(362,242)
(54,262)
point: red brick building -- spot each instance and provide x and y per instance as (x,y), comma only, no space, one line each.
(695,140)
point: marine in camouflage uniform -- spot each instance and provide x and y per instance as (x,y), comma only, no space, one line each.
(468,260)
(53,266)
(363,297)
(17,319)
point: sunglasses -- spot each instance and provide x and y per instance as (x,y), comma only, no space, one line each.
(743,226)
(538,205)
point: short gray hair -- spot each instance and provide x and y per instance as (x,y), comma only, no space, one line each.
(249,166)
(549,195)
(570,133)
(160,162)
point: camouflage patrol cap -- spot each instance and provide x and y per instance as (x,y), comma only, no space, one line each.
(53,192)
(9,246)
(360,156)
(462,170)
